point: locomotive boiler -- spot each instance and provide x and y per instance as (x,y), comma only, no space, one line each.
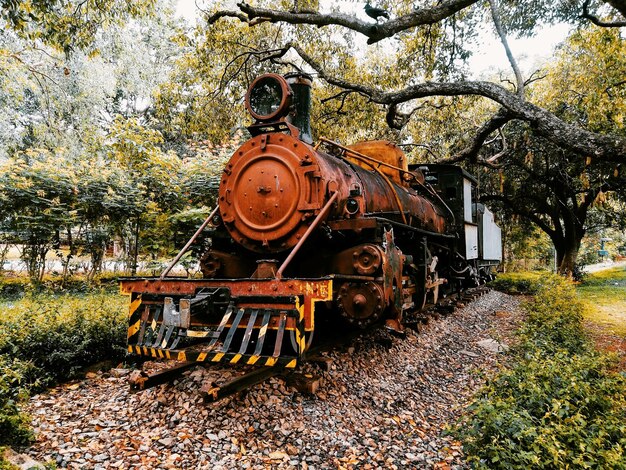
(305,233)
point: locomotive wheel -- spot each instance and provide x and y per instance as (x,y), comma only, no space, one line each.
(361,303)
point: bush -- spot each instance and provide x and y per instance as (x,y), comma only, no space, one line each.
(15,287)
(16,378)
(518,283)
(60,334)
(555,318)
(560,405)
(48,338)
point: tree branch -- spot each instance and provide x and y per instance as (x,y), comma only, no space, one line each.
(375,32)
(498,24)
(502,152)
(521,211)
(568,136)
(500,118)
(598,22)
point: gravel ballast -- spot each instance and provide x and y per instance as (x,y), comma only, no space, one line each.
(383,404)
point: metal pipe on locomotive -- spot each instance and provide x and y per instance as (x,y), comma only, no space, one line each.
(306,233)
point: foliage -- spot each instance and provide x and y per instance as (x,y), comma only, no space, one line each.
(67,24)
(591,244)
(525,246)
(60,334)
(558,405)
(15,375)
(555,412)
(526,282)
(45,338)
(37,202)
(67,121)
(565,193)
(554,321)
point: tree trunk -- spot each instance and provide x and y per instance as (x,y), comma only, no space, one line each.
(567,253)
(42,252)
(3,255)
(136,250)
(70,255)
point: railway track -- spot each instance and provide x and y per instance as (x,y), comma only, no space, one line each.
(375,405)
(212,392)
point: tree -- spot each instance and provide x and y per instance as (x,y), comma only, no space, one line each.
(68,25)
(69,110)
(153,175)
(425,46)
(554,188)
(36,205)
(545,186)
(513,105)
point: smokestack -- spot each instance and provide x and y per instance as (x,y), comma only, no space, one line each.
(300,83)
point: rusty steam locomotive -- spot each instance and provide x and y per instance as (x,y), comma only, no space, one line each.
(308,233)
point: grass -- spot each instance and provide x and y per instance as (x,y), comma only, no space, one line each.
(604,296)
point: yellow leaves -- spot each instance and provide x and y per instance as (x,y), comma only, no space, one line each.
(584,178)
(587,80)
(136,147)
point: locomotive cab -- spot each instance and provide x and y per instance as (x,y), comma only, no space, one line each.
(480,247)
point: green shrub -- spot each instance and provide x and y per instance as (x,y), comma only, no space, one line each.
(60,334)
(559,405)
(554,320)
(16,378)
(518,283)
(48,338)
(15,287)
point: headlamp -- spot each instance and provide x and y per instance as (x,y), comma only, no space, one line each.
(268,97)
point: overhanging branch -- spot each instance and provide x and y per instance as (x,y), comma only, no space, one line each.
(375,32)
(501,117)
(568,136)
(620,6)
(523,211)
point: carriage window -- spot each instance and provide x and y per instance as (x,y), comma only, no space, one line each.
(451,192)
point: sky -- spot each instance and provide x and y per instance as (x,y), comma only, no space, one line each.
(529,52)
(489,59)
